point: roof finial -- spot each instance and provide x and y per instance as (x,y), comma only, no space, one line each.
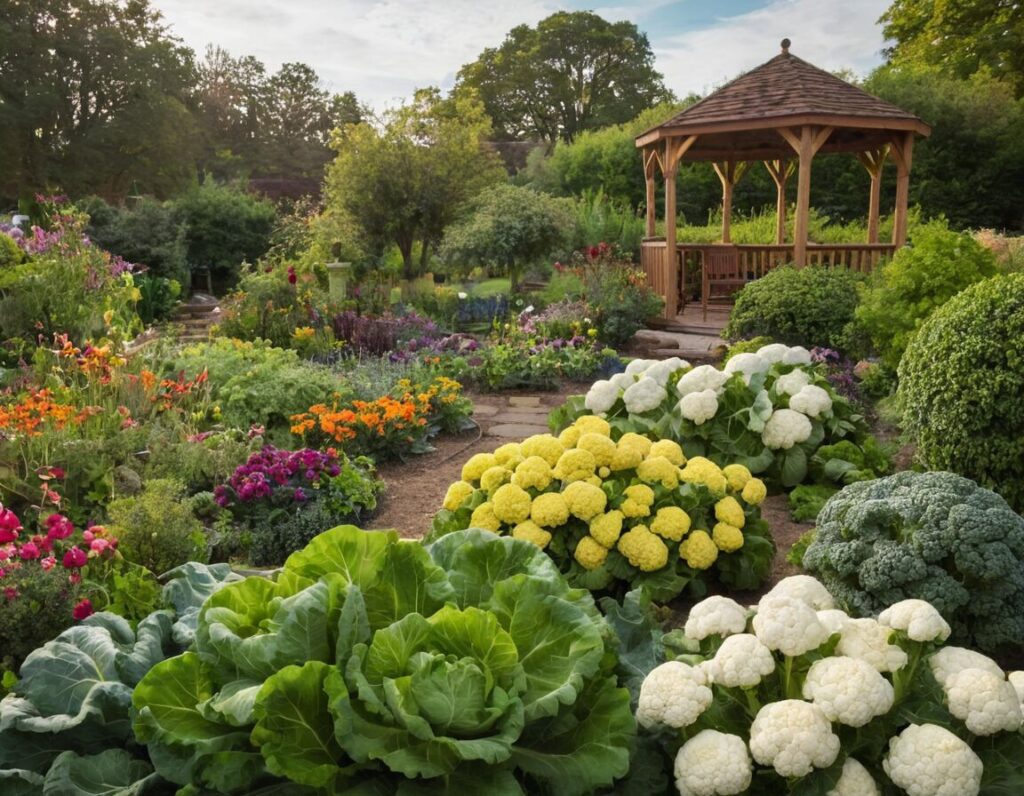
(785,46)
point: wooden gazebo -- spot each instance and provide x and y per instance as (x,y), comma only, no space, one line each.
(782,113)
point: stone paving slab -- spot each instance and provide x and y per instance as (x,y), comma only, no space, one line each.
(516,431)
(485,410)
(523,416)
(524,400)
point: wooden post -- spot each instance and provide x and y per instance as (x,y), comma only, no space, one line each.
(675,148)
(780,170)
(729,173)
(651,162)
(806,146)
(874,161)
(902,153)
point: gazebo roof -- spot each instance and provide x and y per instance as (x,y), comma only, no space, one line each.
(740,118)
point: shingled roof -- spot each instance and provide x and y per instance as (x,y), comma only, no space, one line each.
(785,90)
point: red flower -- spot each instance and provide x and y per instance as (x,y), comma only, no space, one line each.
(292,277)
(56,472)
(7,535)
(593,252)
(9,524)
(11,593)
(29,551)
(59,527)
(82,610)
(75,558)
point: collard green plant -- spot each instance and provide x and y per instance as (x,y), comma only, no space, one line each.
(381,666)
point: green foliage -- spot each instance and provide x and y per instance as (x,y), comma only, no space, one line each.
(961,380)
(319,676)
(796,553)
(157,529)
(508,226)
(810,306)
(225,226)
(40,611)
(200,464)
(846,463)
(617,292)
(157,297)
(933,536)
(10,253)
(806,501)
(600,219)
(573,72)
(919,279)
(147,232)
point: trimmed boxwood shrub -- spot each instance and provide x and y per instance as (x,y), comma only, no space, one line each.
(961,382)
(810,306)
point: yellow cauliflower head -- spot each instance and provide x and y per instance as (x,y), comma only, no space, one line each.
(569,437)
(585,500)
(638,502)
(543,445)
(549,510)
(729,510)
(532,473)
(630,451)
(699,470)
(643,549)
(589,553)
(658,470)
(671,522)
(727,537)
(509,455)
(531,532)
(484,517)
(754,492)
(511,504)
(592,424)
(477,465)
(457,494)
(737,476)
(606,528)
(602,448)
(494,477)
(575,465)
(670,449)
(698,550)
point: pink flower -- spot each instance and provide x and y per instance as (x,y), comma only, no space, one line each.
(75,577)
(98,545)
(82,610)
(11,593)
(59,527)
(7,535)
(48,563)
(75,558)
(29,551)
(9,520)
(88,535)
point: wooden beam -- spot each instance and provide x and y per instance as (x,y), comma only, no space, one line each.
(805,152)
(874,162)
(652,163)
(780,171)
(672,280)
(675,148)
(902,153)
(729,173)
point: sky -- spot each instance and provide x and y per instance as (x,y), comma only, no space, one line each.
(384,49)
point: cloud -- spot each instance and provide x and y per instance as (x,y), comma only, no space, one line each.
(831,34)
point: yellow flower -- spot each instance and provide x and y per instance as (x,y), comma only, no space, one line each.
(543,445)
(549,510)
(475,467)
(532,473)
(630,451)
(754,491)
(698,551)
(643,549)
(699,470)
(670,450)
(509,455)
(531,532)
(671,522)
(605,528)
(737,476)
(511,504)
(494,477)
(591,333)
(575,465)
(570,436)
(589,553)
(602,448)
(729,510)
(484,517)
(303,332)
(658,469)
(638,502)
(457,494)
(592,424)
(585,500)
(727,537)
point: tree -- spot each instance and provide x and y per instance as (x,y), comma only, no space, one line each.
(573,72)
(509,226)
(404,179)
(961,37)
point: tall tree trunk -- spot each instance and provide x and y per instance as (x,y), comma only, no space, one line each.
(424,257)
(405,247)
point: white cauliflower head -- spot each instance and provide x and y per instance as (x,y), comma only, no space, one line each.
(986,702)
(796,355)
(786,428)
(660,371)
(919,619)
(773,352)
(1017,681)
(673,695)
(928,760)
(622,381)
(854,781)
(868,640)
(699,406)
(812,400)
(715,614)
(833,619)
(741,662)
(702,377)
(747,364)
(791,383)
(643,396)
(950,660)
(805,588)
(789,625)
(848,690)
(713,763)
(794,737)
(601,397)
(638,366)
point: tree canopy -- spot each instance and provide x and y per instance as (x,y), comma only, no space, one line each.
(573,72)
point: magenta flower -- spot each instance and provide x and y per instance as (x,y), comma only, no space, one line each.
(75,558)
(59,527)
(82,610)
(29,551)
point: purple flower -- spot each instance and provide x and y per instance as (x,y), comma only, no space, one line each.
(299,496)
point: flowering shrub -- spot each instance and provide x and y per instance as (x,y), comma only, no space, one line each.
(769,411)
(380,335)
(634,511)
(277,476)
(514,359)
(797,697)
(617,291)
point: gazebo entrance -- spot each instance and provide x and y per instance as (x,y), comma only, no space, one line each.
(782,113)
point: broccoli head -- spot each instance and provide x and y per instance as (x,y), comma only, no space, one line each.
(932,536)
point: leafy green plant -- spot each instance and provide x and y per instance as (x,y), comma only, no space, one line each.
(807,500)
(960,385)
(919,279)
(931,536)
(37,609)
(810,306)
(157,529)
(617,291)
(392,667)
